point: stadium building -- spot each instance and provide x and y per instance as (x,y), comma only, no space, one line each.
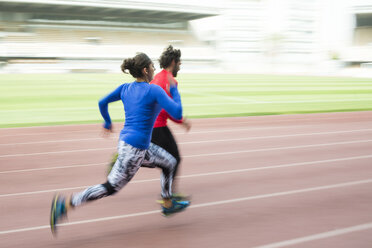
(359,49)
(292,36)
(260,36)
(78,36)
(246,36)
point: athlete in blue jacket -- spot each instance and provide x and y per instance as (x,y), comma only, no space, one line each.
(142,104)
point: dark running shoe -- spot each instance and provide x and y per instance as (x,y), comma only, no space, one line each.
(180,197)
(177,206)
(58,212)
(176,197)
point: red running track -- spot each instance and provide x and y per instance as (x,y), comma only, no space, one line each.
(269,181)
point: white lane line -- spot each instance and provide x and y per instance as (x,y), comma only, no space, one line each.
(215,203)
(278,166)
(51,168)
(197,155)
(317,162)
(318,236)
(203,141)
(52,126)
(191,132)
(232,129)
(57,152)
(49,141)
(65,189)
(49,133)
(277,148)
(276,136)
(98,164)
(318,117)
(298,117)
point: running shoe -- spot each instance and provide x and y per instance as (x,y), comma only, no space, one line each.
(180,197)
(177,206)
(58,212)
(176,197)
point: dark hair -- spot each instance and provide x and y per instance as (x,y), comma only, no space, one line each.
(136,64)
(168,56)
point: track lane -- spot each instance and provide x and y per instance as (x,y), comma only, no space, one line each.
(293,215)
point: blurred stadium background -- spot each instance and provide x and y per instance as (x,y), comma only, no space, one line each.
(239,57)
(82,36)
(248,36)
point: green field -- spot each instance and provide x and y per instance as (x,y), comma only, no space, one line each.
(31,100)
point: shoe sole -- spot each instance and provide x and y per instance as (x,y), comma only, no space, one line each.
(171,214)
(52,215)
(187,198)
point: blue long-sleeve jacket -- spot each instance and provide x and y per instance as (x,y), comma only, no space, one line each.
(142,104)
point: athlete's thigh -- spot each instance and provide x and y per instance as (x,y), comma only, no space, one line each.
(163,137)
(158,137)
(156,156)
(127,164)
(172,147)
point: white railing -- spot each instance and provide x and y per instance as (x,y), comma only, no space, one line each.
(83,51)
(194,6)
(357,53)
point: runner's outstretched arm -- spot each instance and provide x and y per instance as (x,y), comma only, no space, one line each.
(103,105)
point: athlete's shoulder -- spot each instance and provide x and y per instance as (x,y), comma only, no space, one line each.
(161,78)
(156,90)
(123,86)
(155,87)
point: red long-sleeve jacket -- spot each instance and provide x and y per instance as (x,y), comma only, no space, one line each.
(161,79)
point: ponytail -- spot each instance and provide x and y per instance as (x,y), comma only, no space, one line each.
(135,65)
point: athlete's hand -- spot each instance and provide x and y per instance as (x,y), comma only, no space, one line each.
(171,80)
(106,132)
(186,124)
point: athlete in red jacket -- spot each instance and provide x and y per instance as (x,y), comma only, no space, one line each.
(170,61)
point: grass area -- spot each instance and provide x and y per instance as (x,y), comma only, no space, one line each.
(32,100)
